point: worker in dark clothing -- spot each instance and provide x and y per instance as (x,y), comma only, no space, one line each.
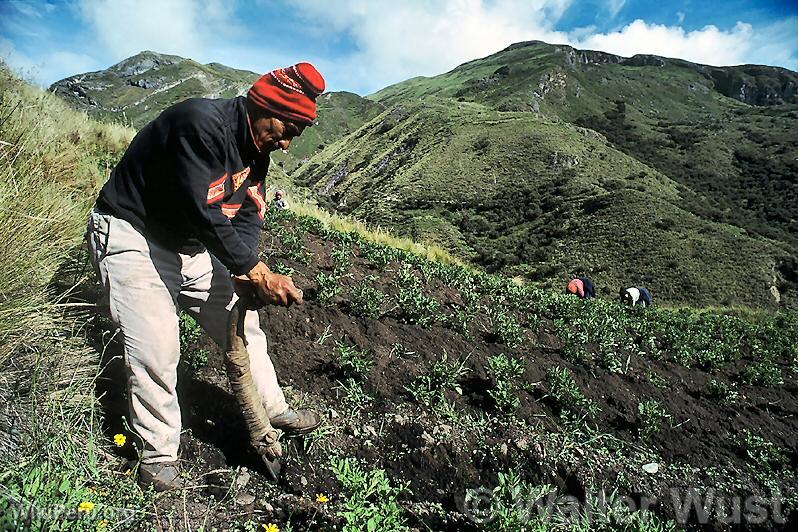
(636,295)
(582,287)
(177,226)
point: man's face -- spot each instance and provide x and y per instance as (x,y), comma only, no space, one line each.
(272,134)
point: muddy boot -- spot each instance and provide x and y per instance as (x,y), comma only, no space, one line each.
(162,476)
(296,422)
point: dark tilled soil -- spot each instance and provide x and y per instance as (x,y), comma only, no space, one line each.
(441,457)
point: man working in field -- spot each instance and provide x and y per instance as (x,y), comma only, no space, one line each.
(182,211)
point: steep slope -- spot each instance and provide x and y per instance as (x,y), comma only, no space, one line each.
(506,159)
(339,113)
(547,161)
(689,121)
(449,380)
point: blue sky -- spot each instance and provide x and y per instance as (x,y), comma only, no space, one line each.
(364,45)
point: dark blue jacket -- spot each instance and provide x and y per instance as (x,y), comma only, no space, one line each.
(193,179)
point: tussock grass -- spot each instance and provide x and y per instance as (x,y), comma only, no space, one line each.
(377,234)
(52,161)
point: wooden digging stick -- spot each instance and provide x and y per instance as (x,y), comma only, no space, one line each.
(262,435)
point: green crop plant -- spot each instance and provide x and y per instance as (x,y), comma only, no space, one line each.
(293,245)
(379,255)
(366,300)
(328,288)
(311,225)
(656,380)
(567,394)
(372,500)
(650,416)
(190,334)
(459,321)
(763,452)
(283,269)
(415,306)
(611,358)
(430,388)
(505,372)
(763,373)
(721,391)
(342,259)
(505,326)
(354,363)
(511,504)
(354,394)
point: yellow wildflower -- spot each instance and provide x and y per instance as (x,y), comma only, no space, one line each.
(128,472)
(322,498)
(120,439)
(271,527)
(86,507)
(103,524)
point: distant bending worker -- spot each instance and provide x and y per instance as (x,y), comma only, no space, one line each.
(636,295)
(279,200)
(582,287)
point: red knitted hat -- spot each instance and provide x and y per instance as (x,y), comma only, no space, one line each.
(290,92)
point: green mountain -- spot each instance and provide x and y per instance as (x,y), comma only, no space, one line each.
(548,161)
(137,89)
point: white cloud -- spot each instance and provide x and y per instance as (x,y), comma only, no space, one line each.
(709,45)
(126,27)
(415,37)
(362,45)
(51,66)
(775,44)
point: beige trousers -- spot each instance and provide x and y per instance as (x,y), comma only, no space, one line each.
(145,284)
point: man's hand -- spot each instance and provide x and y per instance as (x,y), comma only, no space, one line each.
(272,288)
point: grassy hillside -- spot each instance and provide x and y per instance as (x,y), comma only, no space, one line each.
(53,453)
(531,195)
(339,113)
(452,399)
(730,134)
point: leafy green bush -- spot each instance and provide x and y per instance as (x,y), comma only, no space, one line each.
(328,288)
(505,371)
(566,393)
(379,255)
(367,300)
(293,245)
(763,452)
(372,502)
(650,415)
(430,388)
(721,391)
(282,269)
(415,306)
(342,259)
(354,362)
(506,327)
(763,373)
(190,334)
(511,504)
